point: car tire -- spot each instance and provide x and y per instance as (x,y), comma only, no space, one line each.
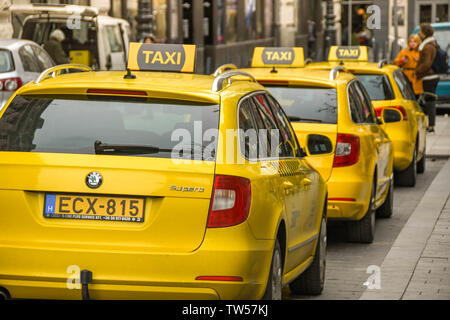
(363,231)
(312,280)
(274,286)
(407,178)
(421,164)
(387,208)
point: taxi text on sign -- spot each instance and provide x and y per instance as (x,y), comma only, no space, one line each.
(339,53)
(278,57)
(161,57)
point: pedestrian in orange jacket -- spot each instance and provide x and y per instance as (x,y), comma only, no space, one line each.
(407,59)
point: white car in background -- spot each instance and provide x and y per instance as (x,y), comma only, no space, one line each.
(92,38)
(21,61)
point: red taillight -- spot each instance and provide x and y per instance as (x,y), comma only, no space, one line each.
(399,108)
(342,199)
(403,112)
(378,112)
(347,150)
(219,278)
(230,202)
(118,92)
(274,82)
(10,84)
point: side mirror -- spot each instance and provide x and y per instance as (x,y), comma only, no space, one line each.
(319,144)
(389,115)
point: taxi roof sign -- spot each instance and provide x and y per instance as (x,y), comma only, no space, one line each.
(348,53)
(161,57)
(282,57)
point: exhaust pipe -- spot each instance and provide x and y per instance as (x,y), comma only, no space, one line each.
(4,294)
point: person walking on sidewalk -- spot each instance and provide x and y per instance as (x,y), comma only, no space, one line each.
(407,59)
(424,71)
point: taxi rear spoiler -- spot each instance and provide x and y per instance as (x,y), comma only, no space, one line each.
(223,68)
(335,72)
(56,70)
(382,63)
(227,75)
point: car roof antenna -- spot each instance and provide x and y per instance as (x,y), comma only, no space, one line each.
(129,75)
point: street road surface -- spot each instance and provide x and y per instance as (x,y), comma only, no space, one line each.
(347,263)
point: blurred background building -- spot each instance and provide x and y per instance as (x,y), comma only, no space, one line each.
(226,31)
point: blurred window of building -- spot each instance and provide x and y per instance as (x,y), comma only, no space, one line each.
(160,14)
(268,18)
(442,12)
(220,21)
(425,13)
(231,21)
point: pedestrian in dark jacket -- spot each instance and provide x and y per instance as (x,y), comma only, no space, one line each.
(54,47)
(424,71)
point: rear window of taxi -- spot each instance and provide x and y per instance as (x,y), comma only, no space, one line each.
(307,104)
(377,86)
(74,124)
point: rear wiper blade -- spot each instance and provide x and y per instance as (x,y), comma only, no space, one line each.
(102,148)
(298,119)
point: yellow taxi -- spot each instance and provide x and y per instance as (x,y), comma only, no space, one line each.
(389,88)
(150,184)
(333,118)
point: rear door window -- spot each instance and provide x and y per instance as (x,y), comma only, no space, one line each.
(355,106)
(55,124)
(287,133)
(248,138)
(365,103)
(377,86)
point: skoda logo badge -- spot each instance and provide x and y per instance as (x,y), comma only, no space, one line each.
(94,180)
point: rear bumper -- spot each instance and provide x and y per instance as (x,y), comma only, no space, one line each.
(403,153)
(33,271)
(348,195)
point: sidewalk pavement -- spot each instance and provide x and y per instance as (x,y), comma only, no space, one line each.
(438,144)
(418,264)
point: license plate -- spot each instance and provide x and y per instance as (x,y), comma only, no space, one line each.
(90,207)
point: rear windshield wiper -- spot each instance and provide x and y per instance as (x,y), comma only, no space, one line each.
(298,119)
(104,148)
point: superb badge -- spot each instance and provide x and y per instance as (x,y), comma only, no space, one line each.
(94,180)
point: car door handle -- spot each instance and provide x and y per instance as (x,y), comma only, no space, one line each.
(306,183)
(288,185)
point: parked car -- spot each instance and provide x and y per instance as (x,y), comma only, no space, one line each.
(93,176)
(388,88)
(334,119)
(98,41)
(21,61)
(442,36)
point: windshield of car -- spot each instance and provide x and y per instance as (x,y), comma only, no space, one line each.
(6,63)
(377,86)
(55,124)
(307,104)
